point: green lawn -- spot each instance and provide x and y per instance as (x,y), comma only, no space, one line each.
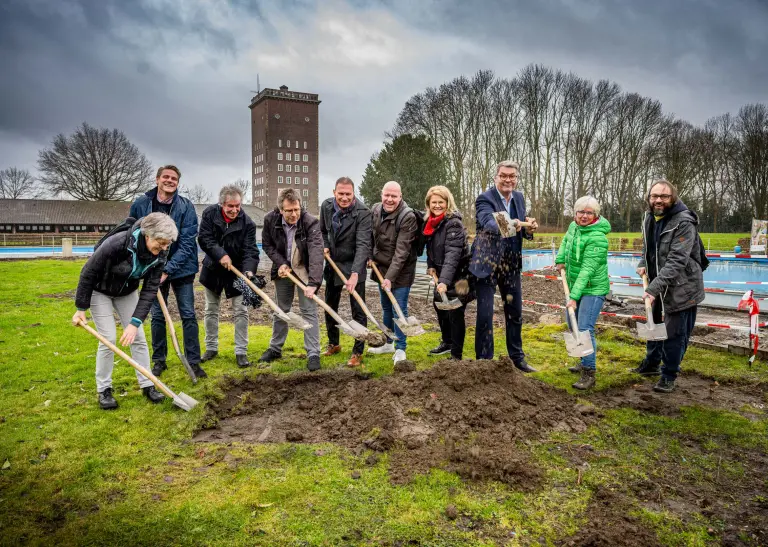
(74,475)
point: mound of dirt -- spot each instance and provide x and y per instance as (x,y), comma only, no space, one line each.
(464,416)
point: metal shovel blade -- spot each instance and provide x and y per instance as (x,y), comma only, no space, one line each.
(294,320)
(354,329)
(651,331)
(410,326)
(184,401)
(578,345)
(448,304)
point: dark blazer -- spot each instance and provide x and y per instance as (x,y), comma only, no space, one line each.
(350,247)
(115,269)
(489,249)
(182,255)
(236,239)
(309,241)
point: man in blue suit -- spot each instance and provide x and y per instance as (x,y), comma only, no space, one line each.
(498,261)
(179,272)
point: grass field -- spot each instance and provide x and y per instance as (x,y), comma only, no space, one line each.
(74,475)
(712,241)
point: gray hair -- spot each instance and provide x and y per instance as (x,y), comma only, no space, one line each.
(507,163)
(159,226)
(587,201)
(228,192)
(288,194)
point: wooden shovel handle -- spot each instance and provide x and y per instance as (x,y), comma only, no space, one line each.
(648,306)
(161,386)
(389,292)
(341,275)
(257,290)
(571,313)
(317,299)
(168,320)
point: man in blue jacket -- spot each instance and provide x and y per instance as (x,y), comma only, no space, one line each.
(498,261)
(179,272)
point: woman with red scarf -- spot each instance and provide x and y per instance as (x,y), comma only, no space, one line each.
(448,255)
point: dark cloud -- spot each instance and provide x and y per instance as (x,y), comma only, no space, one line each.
(176,76)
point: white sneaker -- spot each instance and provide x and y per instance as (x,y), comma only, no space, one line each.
(386,348)
(399,355)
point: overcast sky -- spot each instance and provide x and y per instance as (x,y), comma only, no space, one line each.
(176,75)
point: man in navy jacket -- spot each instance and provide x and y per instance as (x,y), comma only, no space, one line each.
(179,272)
(498,261)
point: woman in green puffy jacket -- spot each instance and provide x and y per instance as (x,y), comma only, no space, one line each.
(584,256)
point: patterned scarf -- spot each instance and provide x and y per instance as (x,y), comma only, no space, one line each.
(339,214)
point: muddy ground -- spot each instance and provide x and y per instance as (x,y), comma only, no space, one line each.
(476,418)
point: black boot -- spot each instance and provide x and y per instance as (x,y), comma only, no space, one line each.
(158,368)
(587,379)
(198,370)
(664,385)
(270,355)
(647,369)
(442,349)
(313,363)
(152,394)
(106,400)
(208,355)
(242,361)
(525,367)
(575,368)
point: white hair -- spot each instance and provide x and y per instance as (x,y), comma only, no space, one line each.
(159,226)
(587,201)
(228,192)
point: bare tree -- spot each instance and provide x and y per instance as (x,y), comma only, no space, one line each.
(18,183)
(198,194)
(95,165)
(245,187)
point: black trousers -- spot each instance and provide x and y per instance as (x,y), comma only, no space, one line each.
(670,352)
(452,327)
(511,294)
(332,298)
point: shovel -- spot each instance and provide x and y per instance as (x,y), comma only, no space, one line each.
(169,322)
(409,325)
(650,330)
(360,301)
(294,320)
(181,400)
(577,343)
(352,328)
(445,304)
(508,227)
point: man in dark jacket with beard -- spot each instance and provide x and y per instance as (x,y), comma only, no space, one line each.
(293,242)
(345,223)
(228,238)
(672,257)
(179,272)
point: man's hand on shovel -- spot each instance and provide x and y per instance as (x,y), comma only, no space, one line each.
(79,317)
(650,297)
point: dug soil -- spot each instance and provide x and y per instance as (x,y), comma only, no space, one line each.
(464,416)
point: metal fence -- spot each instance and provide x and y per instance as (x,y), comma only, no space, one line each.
(46,240)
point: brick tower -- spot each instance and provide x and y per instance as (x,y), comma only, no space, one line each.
(284,146)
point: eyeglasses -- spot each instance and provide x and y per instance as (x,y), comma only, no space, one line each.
(586,213)
(507,177)
(664,197)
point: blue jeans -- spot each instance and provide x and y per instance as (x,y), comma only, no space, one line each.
(401,295)
(185,299)
(587,311)
(670,352)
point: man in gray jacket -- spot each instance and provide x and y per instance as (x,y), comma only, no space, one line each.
(672,259)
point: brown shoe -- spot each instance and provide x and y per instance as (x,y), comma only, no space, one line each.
(355,361)
(331,350)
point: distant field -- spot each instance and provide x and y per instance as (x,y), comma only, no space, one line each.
(712,241)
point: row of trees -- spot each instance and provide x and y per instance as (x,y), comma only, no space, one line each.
(93,164)
(574,137)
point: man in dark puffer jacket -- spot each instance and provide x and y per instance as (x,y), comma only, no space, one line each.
(672,261)
(109,283)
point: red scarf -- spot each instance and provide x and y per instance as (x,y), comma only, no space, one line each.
(226,218)
(432,224)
